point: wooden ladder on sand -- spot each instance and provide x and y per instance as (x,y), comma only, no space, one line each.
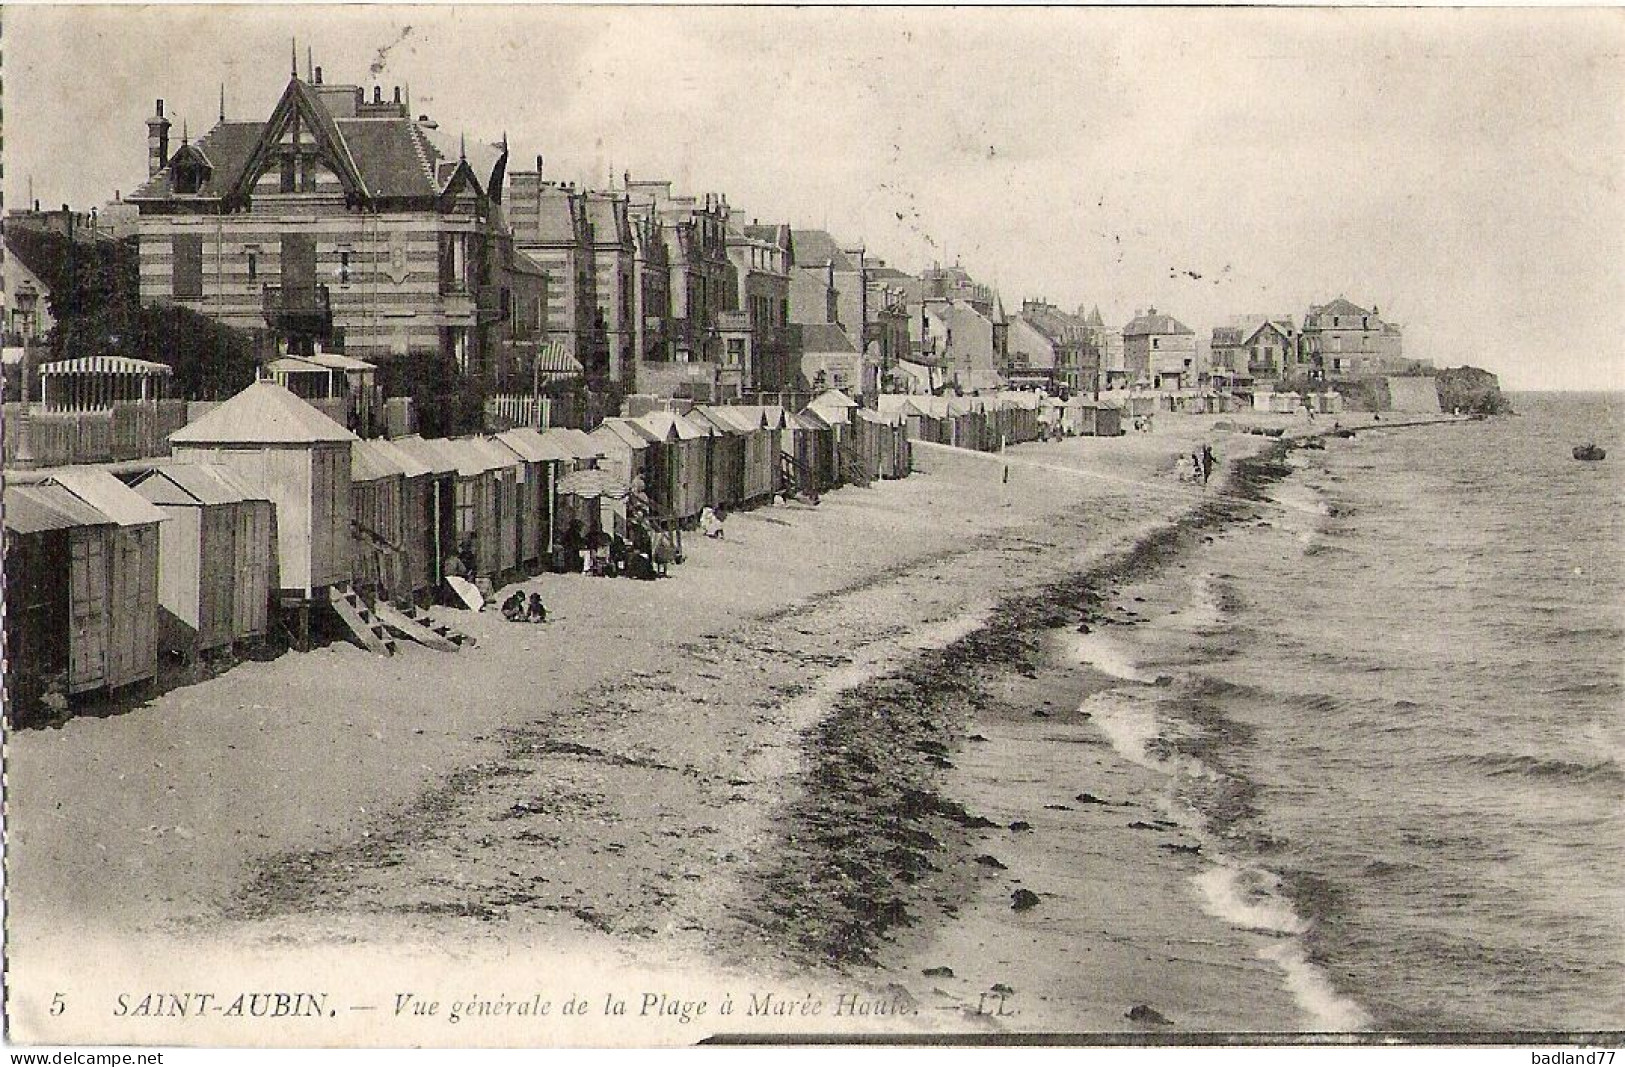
(363,624)
(799,479)
(852,466)
(420,628)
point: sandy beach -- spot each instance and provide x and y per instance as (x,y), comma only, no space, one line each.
(825,758)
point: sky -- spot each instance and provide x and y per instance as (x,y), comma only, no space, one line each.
(1459,169)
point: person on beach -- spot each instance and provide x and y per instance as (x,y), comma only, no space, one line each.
(711,523)
(664,553)
(1185,468)
(1207,463)
(534,611)
(513,609)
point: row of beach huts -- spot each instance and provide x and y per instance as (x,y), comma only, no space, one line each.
(266,509)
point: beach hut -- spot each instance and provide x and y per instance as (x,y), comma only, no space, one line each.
(507,470)
(825,444)
(378,521)
(279,447)
(474,501)
(628,450)
(539,465)
(56,595)
(680,481)
(132,572)
(216,556)
(430,506)
(730,439)
(767,424)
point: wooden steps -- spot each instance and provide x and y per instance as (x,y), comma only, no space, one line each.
(421,629)
(363,624)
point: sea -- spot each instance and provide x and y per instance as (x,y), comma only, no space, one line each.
(1388,697)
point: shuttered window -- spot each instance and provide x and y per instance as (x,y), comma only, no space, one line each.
(188,266)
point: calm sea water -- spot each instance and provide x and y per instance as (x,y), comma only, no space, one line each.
(1396,713)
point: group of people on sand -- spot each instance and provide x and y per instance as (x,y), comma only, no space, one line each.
(641,553)
(1197,466)
(518,609)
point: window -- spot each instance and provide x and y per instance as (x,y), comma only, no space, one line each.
(290,166)
(253,266)
(307,174)
(344,268)
(188,267)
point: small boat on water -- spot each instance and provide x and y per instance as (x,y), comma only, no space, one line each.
(1589,453)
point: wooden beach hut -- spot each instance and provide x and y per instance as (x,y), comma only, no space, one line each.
(766,426)
(278,446)
(680,471)
(56,596)
(216,556)
(378,522)
(538,478)
(431,507)
(729,444)
(132,572)
(507,473)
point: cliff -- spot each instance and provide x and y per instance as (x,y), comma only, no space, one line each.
(1471,390)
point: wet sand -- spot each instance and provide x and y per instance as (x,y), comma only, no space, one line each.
(763,769)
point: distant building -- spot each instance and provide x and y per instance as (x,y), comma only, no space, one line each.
(24,293)
(761,354)
(1073,347)
(1342,339)
(829,359)
(971,350)
(1257,346)
(551,224)
(338,221)
(1160,351)
(700,276)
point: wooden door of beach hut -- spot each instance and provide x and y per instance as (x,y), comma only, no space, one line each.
(277,445)
(684,463)
(132,572)
(767,423)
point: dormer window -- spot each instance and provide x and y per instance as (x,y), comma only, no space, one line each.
(189,171)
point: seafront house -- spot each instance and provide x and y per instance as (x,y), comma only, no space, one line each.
(1073,344)
(700,287)
(830,360)
(336,222)
(1342,339)
(1159,351)
(550,225)
(1261,347)
(758,347)
(614,252)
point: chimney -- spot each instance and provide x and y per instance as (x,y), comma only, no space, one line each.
(157,141)
(397,94)
(538,166)
(377,94)
(318,75)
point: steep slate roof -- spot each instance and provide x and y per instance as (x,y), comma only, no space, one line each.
(388,157)
(814,248)
(1149,323)
(264,413)
(227,148)
(820,337)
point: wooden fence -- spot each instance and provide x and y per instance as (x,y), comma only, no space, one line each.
(35,438)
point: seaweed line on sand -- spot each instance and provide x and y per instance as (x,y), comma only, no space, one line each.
(867,829)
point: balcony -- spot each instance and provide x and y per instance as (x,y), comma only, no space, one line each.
(304,311)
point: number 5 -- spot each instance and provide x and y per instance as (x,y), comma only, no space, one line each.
(58,1005)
